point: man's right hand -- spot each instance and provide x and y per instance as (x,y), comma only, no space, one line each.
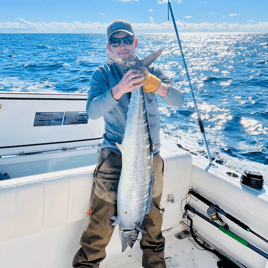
(127,83)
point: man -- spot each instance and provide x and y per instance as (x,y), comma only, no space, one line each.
(109,96)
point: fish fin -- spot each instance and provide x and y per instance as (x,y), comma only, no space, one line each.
(150,199)
(136,63)
(140,230)
(151,58)
(115,219)
(119,146)
(149,206)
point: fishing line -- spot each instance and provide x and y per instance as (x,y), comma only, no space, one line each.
(186,201)
(189,81)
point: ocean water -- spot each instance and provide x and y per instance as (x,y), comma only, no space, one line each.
(228,73)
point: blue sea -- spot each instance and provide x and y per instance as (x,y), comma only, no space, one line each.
(228,71)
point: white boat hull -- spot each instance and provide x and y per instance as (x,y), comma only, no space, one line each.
(43,212)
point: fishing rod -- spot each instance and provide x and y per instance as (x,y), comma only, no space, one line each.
(227,215)
(190,84)
(227,232)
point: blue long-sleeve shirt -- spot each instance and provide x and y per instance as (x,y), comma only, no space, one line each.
(101,103)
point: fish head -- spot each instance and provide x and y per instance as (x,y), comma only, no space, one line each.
(136,63)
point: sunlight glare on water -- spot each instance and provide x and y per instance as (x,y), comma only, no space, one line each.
(228,73)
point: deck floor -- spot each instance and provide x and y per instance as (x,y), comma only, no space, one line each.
(178,253)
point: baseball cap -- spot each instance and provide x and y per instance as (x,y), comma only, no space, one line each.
(119,26)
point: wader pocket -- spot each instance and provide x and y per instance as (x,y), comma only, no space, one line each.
(106,189)
(107,174)
(108,165)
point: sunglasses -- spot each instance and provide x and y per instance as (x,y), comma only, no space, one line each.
(116,42)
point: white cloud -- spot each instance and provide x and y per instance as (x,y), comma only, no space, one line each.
(103,14)
(151,19)
(250,20)
(201,27)
(165,1)
(21,25)
(188,17)
(151,10)
(232,15)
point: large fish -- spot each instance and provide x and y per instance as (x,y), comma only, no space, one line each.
(134,198)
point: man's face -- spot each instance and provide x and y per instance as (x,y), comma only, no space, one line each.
(124,51)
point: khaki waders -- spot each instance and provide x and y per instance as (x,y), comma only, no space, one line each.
(103,206)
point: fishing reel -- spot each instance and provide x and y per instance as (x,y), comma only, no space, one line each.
(214,216)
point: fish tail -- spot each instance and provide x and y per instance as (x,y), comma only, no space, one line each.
(128,238)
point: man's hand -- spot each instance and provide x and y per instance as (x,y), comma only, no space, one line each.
(131,80)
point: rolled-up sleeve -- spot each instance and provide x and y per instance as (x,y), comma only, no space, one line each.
(174,97)
(100,99)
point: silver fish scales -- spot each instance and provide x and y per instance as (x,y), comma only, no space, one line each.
(136,180)
(134,196)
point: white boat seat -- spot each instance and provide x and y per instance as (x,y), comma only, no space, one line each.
(35,203)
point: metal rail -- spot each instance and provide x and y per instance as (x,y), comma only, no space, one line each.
(52,150)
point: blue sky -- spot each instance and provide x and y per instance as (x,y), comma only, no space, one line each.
(147,16)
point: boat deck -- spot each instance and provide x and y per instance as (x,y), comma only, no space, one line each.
(178,253)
